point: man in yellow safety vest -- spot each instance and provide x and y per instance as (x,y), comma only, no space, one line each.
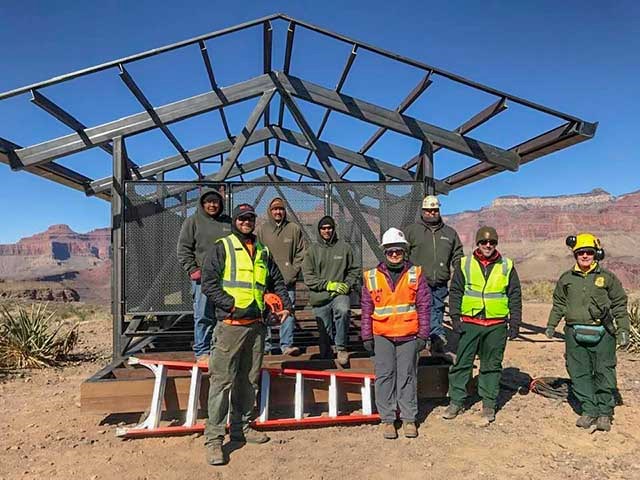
(237,272)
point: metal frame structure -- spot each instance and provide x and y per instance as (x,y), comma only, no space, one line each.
(111,137)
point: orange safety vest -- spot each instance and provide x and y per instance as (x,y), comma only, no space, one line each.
(394,313)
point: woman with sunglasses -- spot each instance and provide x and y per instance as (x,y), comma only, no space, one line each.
(590,298)
(485,306)
(396,307)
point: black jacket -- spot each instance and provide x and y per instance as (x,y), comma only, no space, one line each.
(212,271)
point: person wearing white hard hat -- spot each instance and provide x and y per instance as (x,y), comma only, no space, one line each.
(396,307)
(436,247)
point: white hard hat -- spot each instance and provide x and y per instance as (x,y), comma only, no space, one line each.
(393,236)
(431,201)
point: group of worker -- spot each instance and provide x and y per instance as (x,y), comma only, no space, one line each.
(232,265)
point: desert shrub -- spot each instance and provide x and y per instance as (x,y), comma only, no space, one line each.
(634,330)
(32,338)
(539,291)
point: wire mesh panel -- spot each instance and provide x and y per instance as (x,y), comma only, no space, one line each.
(154,281)
(364,211)
(305,202)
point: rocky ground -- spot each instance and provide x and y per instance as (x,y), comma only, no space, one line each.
(45,434)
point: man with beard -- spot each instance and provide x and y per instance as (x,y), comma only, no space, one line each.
(436,247)
(197,235)
(286,244)
(236,274)
(331,271)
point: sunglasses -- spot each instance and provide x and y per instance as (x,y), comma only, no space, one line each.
(431,211)
(588,252)
(488,242)
(327,227)
(248,218)
(394,252)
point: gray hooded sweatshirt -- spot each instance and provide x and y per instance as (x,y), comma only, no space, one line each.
(199,232)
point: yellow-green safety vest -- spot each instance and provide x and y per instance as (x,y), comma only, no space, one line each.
(489,295)
(244,279)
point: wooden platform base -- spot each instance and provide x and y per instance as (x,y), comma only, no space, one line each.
(125,389)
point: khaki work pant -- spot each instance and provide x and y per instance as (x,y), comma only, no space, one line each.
(234,367)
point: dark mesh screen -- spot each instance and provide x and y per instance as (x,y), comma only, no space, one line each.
(154,282)
(305,202)
(154,212)
(364,211)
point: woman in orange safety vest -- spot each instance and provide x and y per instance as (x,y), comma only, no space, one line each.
(396,306)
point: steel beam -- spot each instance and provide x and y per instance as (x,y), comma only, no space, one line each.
(555,139)
(142,122)
(267,49)
(426,67)
(177,161)
(50,171)
(474,122)
(214,86)
(243,138)
(118,195)
(343,78)
(288,51)
(138,56)
(404,124)
(404,105)
(348,156)
(60,114)
(142,99)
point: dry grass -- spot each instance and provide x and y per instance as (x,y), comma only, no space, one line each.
(634,327)
(539,291)
(30,337)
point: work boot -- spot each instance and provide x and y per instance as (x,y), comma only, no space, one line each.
(291,351)
(215,455)
(342,358)
(452,411)
(389,431)
(488,414)
(410,429)
(249,436)
(603,423)
(585,421)
(204,359)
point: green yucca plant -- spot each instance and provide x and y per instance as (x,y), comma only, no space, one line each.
(30,339)
(634,327)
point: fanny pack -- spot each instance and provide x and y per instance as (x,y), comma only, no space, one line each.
(588,334)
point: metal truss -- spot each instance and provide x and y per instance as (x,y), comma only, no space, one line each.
(290,94)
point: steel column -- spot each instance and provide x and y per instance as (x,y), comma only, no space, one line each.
(117,244)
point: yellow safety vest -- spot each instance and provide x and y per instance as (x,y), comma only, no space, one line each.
(243,278)
(489,295)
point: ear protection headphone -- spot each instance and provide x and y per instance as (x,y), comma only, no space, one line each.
(572,240)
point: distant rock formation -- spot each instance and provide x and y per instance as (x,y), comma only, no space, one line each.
(532,230)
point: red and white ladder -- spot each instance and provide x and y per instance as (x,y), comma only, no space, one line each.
(151,424)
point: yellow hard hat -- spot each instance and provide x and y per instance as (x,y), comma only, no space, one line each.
(585,240)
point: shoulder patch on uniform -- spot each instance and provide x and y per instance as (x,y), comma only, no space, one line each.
(599,281)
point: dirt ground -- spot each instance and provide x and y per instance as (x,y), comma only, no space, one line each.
(45,434)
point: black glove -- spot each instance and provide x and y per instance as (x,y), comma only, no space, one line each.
(514,331)
(421,344)
(456,324)
(368,345)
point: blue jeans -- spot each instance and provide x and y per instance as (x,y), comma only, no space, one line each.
(286,328)
(438,295)
(336,314)
(203,320)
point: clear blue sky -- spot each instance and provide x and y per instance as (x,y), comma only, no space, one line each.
(580,57)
